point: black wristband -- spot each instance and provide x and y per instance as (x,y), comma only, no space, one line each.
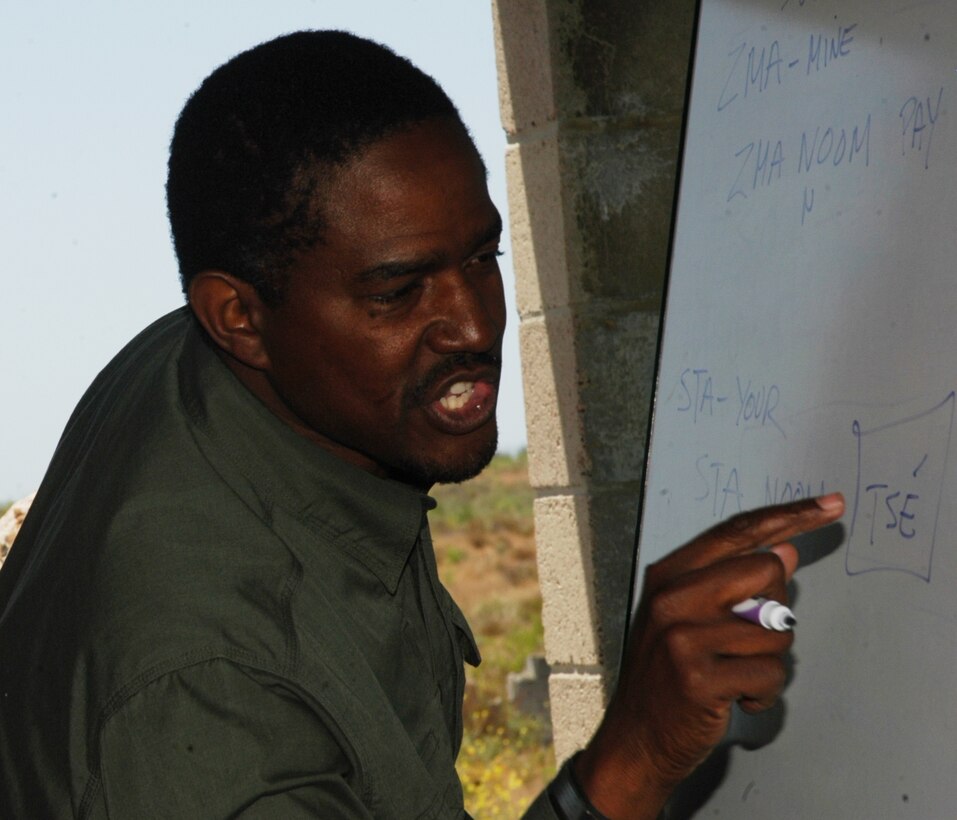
(567,797)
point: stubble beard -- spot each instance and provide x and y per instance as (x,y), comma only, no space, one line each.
(424,472)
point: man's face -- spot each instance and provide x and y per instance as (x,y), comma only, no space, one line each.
(386,347)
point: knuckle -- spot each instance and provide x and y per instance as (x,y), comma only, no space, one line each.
(749,523)
(742,523)
(773,676)
(775,646)
(654,576)
(738,527)
(690,665)
(687,665)
(771,567)
(663,609)
(677,640)
(692,682)
(777,677)
(766,572)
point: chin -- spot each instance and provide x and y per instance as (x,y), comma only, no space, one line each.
(425,471)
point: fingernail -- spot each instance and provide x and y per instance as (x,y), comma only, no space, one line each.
(830,502)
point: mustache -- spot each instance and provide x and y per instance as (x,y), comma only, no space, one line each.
(445,368)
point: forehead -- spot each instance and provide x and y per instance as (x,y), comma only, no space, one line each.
(424,180)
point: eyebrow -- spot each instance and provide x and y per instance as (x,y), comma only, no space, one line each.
(394,270)
(493,232)
(398,268)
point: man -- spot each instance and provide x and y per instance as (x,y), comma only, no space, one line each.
(224,601)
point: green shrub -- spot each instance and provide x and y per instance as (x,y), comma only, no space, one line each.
(498,499)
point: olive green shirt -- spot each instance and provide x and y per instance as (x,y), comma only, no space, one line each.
(206,615)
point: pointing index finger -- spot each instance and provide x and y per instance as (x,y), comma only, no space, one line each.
(764,527)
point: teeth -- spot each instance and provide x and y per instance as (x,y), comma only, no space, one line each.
(458,395)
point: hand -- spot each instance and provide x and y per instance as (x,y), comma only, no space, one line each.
(689,658)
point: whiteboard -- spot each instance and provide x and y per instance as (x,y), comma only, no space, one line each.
(810,344)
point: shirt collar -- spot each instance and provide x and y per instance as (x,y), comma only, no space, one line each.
(376,520)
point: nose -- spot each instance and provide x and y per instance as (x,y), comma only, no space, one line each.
(469,312)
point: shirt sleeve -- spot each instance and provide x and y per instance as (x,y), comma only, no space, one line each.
(219,740)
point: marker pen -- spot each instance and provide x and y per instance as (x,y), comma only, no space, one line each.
(766,613)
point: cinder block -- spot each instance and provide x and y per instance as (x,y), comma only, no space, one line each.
(586,551)
(591,96)
(536,213)
(552,412)
(619,59)
(578,703)
(621,181)
(567,579)
(613,516)
(523,57)
(616,353)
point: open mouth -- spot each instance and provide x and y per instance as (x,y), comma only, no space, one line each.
(465,405)
(458,396)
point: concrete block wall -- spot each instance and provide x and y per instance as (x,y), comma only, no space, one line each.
(591,99)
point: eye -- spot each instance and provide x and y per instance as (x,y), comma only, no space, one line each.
(392,297)
(486,257)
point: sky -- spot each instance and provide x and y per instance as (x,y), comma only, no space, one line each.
(89,92)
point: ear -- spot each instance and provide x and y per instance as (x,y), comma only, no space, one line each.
(232,313)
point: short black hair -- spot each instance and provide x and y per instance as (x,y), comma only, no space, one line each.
(255,140)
